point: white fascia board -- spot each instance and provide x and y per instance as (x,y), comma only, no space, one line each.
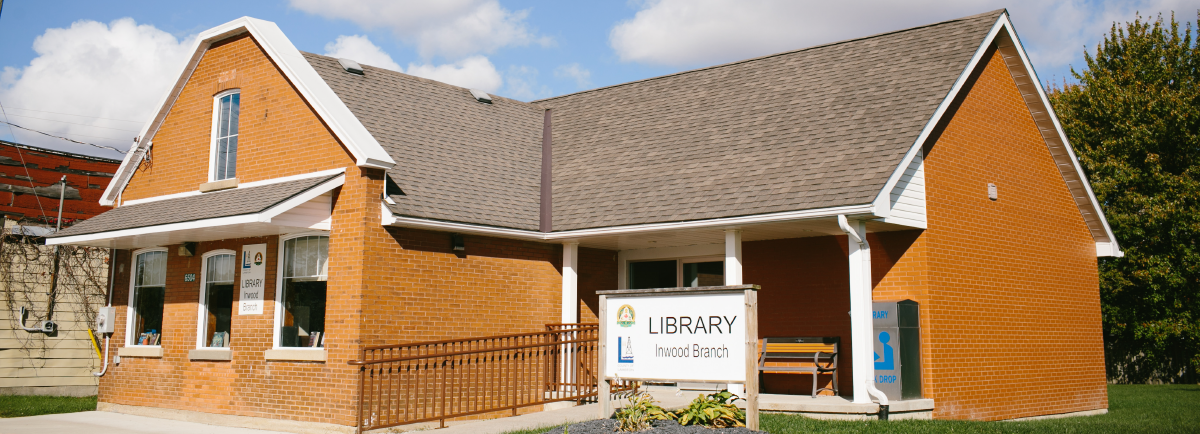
(349,130)
(197,224)
(330,172)
(882,201)
(390,219)
(301,198)
(1114,248)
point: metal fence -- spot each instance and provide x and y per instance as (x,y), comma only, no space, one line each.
(439,380)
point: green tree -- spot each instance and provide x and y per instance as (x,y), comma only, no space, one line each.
(1133,120)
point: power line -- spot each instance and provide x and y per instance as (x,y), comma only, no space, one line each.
(68,114)
(74,123)
(64,138)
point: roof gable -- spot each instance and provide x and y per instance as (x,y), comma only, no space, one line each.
(815,128)
(345,126)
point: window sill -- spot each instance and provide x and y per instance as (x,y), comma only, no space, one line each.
(140,351)
(297,354)
(219,185)
(210,354)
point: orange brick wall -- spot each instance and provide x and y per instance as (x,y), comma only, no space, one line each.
(1009,289)
(275,127)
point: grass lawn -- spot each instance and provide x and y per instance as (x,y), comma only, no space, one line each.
(18,406)
(1157,409)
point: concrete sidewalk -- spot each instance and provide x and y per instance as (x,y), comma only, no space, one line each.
(103,422)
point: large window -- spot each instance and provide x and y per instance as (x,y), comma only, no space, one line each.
(225,135)
(146,298)
(305,270)
(216,300)
(670,273)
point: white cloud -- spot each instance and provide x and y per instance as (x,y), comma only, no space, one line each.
(360,49)
(452,29)
(582,77)
(475,72)
(698,32)
(114,71)
(521,84)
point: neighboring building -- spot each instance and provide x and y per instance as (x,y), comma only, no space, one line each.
(936,142)
(59,363)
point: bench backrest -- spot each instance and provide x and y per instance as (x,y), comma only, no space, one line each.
(804,347)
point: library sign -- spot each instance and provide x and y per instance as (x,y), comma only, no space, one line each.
(706,334)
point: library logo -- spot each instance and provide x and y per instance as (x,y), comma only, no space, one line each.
(257,258)
(624,349)
(625,316)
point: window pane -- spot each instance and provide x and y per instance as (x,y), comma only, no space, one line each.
(306,257)
(148,292)
(234,109)
(222,157)
(218,300)
(223,120)
(148,310)
(304,314)
(231,158)
(704,274)
(652,274)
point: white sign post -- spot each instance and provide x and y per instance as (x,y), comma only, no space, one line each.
(705,335)
(254,279)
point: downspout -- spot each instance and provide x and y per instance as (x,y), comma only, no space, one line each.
(860,317)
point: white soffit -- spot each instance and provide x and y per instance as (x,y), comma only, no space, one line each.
(367,151)
(1013,53)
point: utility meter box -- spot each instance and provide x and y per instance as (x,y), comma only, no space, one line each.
(106,320)
(897,345)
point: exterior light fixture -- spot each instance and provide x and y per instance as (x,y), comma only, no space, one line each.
(457,241)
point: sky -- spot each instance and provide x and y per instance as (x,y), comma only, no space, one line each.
(93,71)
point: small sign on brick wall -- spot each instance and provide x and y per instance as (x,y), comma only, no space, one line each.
(190,277)
(254,274)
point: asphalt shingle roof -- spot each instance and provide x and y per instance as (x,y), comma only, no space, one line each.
(813,128)
(457,159)
(224,203)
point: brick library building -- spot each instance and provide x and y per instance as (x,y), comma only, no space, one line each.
(315,242)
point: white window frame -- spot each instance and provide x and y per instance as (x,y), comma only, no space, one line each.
(279,291)
(212,140)
(129,313)
(202,312)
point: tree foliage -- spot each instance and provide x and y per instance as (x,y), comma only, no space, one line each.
(1134,120)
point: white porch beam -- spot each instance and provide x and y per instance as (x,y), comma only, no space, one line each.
(570,283)
(733,256)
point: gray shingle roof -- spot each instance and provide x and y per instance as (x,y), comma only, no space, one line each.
(813,128)
(457,159)
(225,203)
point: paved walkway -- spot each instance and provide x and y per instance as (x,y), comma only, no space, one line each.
(103,422)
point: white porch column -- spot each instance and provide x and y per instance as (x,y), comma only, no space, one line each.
(733,256)
(570,283)
(733,276)
(860,312)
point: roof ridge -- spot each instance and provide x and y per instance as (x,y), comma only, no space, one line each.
(997,12)
(60,153)
(431,81)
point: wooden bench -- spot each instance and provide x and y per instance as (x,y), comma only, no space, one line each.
(816,356)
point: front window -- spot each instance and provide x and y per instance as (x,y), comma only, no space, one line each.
(225,135)
(670,273)
(149,288)
(217,299)
(305,271)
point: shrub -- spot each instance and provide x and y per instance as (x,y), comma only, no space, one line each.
(637,415)
(716,410)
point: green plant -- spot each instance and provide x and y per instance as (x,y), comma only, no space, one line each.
(716,410)
(637,415)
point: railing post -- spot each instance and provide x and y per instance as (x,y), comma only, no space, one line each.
(362,379)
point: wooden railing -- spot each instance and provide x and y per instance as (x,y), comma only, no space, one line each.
(438,380)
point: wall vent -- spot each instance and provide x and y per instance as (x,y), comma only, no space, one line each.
(351,66)
(481,96)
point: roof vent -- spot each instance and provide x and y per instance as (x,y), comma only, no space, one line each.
(481,96)
(351,66)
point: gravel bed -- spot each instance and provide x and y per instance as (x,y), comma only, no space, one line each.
(607,426)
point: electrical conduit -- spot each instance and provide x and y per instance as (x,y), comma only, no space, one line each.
(112,270)
(860,318)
